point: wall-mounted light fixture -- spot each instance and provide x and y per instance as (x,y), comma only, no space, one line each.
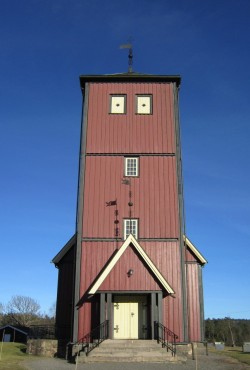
(130,272)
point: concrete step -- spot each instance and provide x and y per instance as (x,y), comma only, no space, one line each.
(146,345)
(126,352)
(129,351)
(130,342)
(151,359)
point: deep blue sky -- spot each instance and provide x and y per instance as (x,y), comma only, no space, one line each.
(45,46)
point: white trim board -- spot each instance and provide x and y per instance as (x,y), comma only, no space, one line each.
(190,245)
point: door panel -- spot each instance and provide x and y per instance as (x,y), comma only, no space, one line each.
(120,320)
(126,320)
(133,324)
(130,317)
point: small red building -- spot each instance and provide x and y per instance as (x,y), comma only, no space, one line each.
(129,261)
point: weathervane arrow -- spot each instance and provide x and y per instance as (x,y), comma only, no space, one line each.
(126,46)
(126,181)
(111,203)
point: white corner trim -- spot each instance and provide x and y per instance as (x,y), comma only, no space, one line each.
(131,239)
(194,250)
(152,266)
(110,266)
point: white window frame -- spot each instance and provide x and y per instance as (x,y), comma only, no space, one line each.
(128,168)
(126,227)
(121,99)
(149,109)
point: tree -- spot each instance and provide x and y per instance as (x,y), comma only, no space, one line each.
(1,313)
(52,311)
(209,330)
(23,310)
(231,331)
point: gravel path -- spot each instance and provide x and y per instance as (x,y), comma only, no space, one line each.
(211,362)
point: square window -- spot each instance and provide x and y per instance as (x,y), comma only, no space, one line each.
(118,104)
(131,227)
(131,166)
(144,104)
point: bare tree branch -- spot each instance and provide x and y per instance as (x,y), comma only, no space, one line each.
(23,310)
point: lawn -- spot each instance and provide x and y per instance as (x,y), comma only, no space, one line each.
(235,352)
(12,355)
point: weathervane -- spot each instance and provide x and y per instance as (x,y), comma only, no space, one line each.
(130,203)
(116,221)
(130,54)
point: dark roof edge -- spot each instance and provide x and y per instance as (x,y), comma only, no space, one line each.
(14,328)
(64,250)
(133,77)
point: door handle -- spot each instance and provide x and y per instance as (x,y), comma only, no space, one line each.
(116,328)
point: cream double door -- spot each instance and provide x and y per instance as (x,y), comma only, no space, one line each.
(130,317)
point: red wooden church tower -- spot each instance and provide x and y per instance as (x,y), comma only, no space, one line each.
(129,261)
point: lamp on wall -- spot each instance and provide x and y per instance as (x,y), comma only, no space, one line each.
(130,272)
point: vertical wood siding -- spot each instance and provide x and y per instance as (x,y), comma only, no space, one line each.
(64,304)
(154,197)
(84,320)
(130,132)
(165,256)
(189,256)
(193,301)
(95,255)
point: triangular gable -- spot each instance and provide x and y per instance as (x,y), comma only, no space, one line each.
(195,251)
(14,328)
(130,239)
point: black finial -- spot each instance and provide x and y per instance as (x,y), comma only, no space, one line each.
(130,60)
(130,54)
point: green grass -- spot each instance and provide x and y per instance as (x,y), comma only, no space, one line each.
(236,353)
(12,356)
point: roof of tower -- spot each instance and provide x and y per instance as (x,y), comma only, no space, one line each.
(130,76)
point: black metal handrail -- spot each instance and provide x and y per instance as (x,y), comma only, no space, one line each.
(92,340)
(166,337)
